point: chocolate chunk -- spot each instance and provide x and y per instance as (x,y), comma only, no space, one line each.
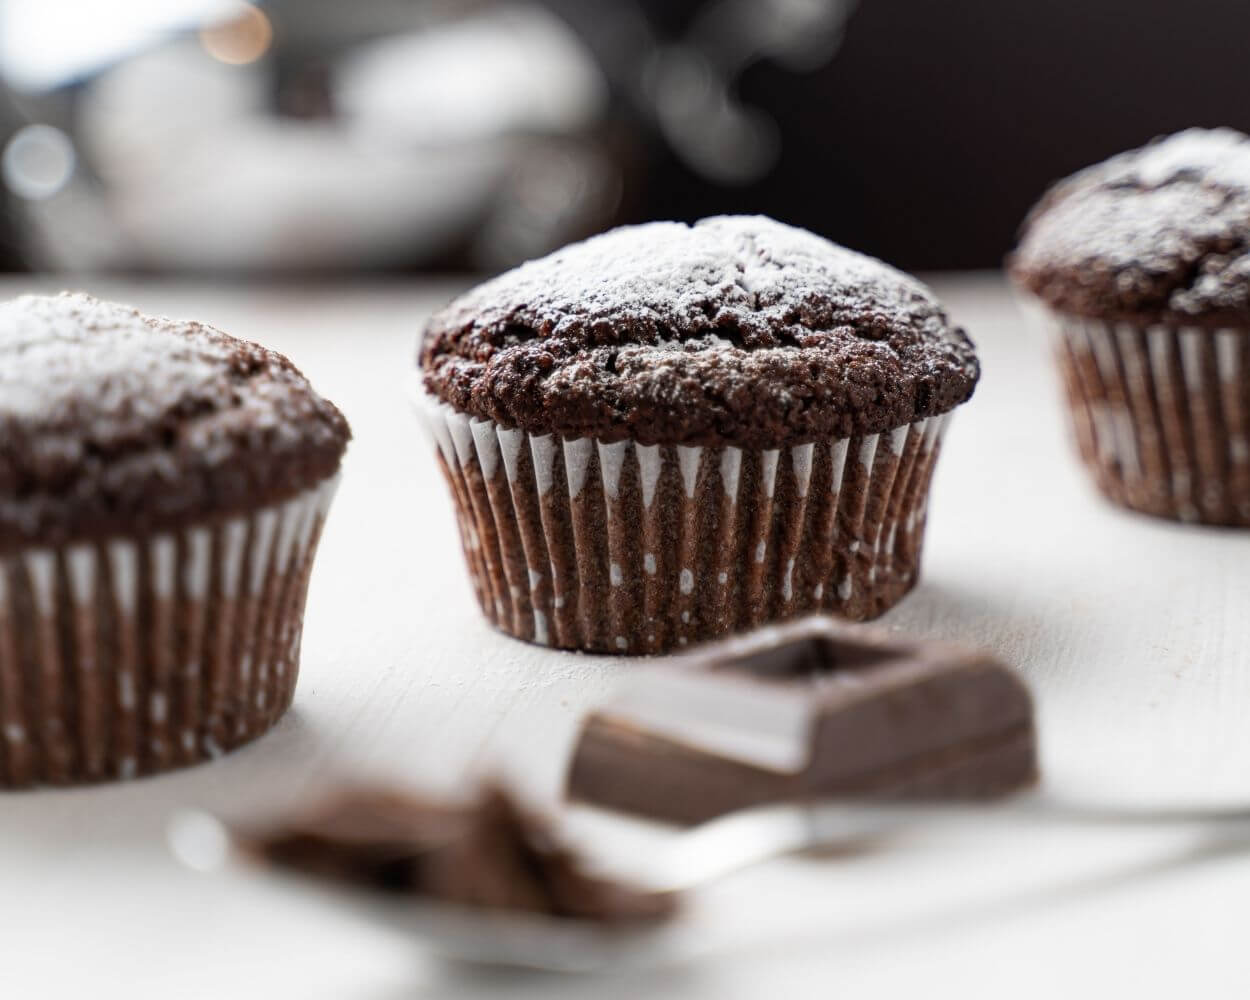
(813,709)
(489,854)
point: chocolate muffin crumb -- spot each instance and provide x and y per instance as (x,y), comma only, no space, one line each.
(736,330)
(1160,234)
(116,422)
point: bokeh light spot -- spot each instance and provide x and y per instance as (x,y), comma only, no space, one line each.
(37,161)
(198,840)
(242,39)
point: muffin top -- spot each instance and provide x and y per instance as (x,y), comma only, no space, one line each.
(115,422)
(736,330)
(1157,235)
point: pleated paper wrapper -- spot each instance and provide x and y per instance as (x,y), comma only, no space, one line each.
(628,548)
(1161,414)
(135,655)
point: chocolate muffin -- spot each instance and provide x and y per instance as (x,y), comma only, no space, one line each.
(1141,267)
(671,432)
(162,490)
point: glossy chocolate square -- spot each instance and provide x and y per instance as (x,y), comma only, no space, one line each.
(812,709)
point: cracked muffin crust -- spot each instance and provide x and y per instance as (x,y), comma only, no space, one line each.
(736,330)
(1159,234)
(111,421)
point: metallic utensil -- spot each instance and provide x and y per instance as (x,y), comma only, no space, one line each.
(695,857)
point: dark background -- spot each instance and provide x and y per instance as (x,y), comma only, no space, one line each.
(927,135)
(938,122)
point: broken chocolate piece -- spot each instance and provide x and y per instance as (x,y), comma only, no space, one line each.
(813,709)
(489,854)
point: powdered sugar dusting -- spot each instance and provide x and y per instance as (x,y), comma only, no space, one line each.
(1219,156)
(752,269)
(773,333)
(103,408)
(1161,228)
(59,350)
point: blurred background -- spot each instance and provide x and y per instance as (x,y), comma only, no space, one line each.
(308,136)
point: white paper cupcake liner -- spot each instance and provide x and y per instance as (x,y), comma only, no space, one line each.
(628,548)
(1161,414)
(139,654)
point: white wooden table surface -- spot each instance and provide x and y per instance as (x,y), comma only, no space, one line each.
(1134,633)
